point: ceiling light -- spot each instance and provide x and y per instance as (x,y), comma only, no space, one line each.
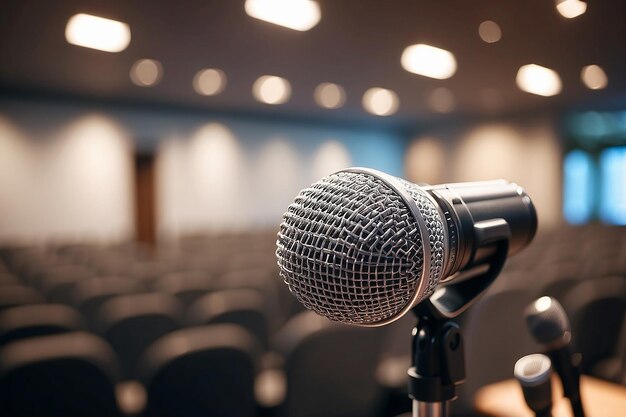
(293,14)
(594,77)
(571,8)
(146,72)
(329,95)
(271,89)
(428,61)
(442,100)
(209,82)
(380,101)
(489,31)
(539,80)
(97,33)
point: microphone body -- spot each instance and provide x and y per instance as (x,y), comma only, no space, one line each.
(533,373)
(548,323)
(364,247)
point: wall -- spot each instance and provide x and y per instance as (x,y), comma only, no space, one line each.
(66,169)
(63,179)
(526,151)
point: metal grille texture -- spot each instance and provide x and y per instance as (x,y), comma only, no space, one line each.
(350,249)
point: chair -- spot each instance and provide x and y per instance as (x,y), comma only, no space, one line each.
(37,320)
(16,295)
(495,337)
(330,368)
(6,278)
(258,279)
(596,309)
(90,294)
(205,371)
(58,283)
(130,323)
(244,307)
(65,375)
(560,277)
(187,286)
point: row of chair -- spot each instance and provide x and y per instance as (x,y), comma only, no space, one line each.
(495,333)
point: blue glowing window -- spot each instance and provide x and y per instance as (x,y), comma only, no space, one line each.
(613,198)
(577,187)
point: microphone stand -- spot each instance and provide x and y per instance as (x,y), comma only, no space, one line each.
(438,365)
(438,360)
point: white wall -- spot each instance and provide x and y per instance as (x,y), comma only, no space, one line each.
(227,175)
(66,169)
(527,152)
(64,180)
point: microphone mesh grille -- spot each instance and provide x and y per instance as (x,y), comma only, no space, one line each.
(350,249)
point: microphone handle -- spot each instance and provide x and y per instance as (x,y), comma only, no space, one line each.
(569,374)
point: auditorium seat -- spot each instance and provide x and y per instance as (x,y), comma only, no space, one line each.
(90,294)
(244,307)
(58,283)
(495,337)
(205,371)
(596,309)
(6,278)
(330,368)
(187,286)
(558,278)
(16,295)
(65,375)
(258,279)
(132,322)
(38,320)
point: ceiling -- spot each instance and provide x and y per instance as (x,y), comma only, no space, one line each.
(358,44)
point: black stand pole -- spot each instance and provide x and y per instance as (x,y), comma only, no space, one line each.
(438,364)
(438,353)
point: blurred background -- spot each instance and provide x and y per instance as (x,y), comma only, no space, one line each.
(148,150)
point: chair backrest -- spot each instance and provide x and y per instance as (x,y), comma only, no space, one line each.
(17,295)
(205,371)
(59,282)
(187,286)
(596,308)
(6,278)
(244,307)
(495,337)
(65,375)
(259,279)
(130,323)
(90,294)
(330,368)
(38,320)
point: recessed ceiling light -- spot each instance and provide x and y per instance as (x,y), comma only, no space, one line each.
(594,77)
(299,15)
(380,101)
(571,8)
(489,31)
(97,33)
(146,72)
(428,61)
(271,89)
(329,95)
(539,80)
(442,100)
(209,82)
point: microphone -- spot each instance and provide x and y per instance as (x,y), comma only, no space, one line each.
(549,325)
(364,247)
(533,373)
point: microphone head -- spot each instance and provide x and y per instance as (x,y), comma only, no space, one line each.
(548,322)
(533,373)
(362,247)
(533,370)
